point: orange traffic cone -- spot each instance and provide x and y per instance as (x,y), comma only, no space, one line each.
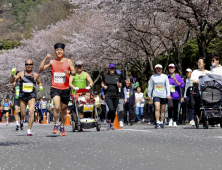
(67,122)
(44,119)
(3,121)
(116,123)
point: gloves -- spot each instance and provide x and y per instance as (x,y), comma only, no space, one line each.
(76,88)
(88,87)
(40,88)
(13,71)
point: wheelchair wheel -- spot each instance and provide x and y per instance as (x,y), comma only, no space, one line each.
(73,126)
(98,127)
(78,127)
(197,122)
(206,124)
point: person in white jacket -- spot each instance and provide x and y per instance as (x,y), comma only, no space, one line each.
(216,68)
(139,104)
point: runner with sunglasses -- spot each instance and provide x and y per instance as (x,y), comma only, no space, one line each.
(27,87)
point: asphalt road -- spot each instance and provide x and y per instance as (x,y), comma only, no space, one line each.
(134,147)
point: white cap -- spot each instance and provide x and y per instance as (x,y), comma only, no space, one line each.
(43,97)
(172,65)
(158,65)
(189,70)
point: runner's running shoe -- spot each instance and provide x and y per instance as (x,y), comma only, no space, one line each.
(157,126)
(55,129)
(62,131)
(21,126)
(29,133)
(161,125)
(171,123)
(17,127)
(174,124)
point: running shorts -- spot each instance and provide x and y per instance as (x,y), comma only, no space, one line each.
(64,94)
(16,102)
(161,100)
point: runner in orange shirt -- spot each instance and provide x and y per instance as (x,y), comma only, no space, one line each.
(61,69)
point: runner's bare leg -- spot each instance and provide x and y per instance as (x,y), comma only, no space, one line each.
(31,104)
(56,101)
(63,113)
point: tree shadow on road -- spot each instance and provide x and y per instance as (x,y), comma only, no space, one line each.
(12,143)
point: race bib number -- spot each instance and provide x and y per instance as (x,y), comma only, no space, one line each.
(137,100)
(6,108)
(172,88)
(97,103)
(128,95)
(159,87)
(44,106)
(27,87)
(70,104)
(17,92)
(87,108)
(119,89)
(59,77)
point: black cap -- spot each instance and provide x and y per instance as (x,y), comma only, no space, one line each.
(59,45)
(95,92)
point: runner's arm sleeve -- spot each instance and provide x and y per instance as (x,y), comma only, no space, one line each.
(180,80)
(145,93)
(194,76)
(150,87)
(124,91)
(102,91)
(167,86)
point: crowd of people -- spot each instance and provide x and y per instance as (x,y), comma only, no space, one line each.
(164,102)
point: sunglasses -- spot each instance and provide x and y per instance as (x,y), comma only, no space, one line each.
(28,64)
(212,61)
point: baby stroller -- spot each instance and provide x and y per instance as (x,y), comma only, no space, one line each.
(90,119)
(210,99)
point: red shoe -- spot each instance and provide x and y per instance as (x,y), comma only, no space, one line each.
(35,121)
(81,130)
(62,131)
(55,129)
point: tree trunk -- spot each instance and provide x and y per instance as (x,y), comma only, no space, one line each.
(201,40)
(96,79)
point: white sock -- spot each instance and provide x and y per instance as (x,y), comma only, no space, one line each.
(17,122)
(29,131)
(161,122)
(158,122)
(21,121)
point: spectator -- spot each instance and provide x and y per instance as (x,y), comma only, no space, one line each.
(49,111)
(216,68)
(139,104)
(128,106)
(184,99)
(150,107)
(176,82)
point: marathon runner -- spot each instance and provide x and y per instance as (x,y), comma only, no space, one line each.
(111,82)
(159,88)
(27,92)
(16,87)
(5,107)
(61,69)
(79,81)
